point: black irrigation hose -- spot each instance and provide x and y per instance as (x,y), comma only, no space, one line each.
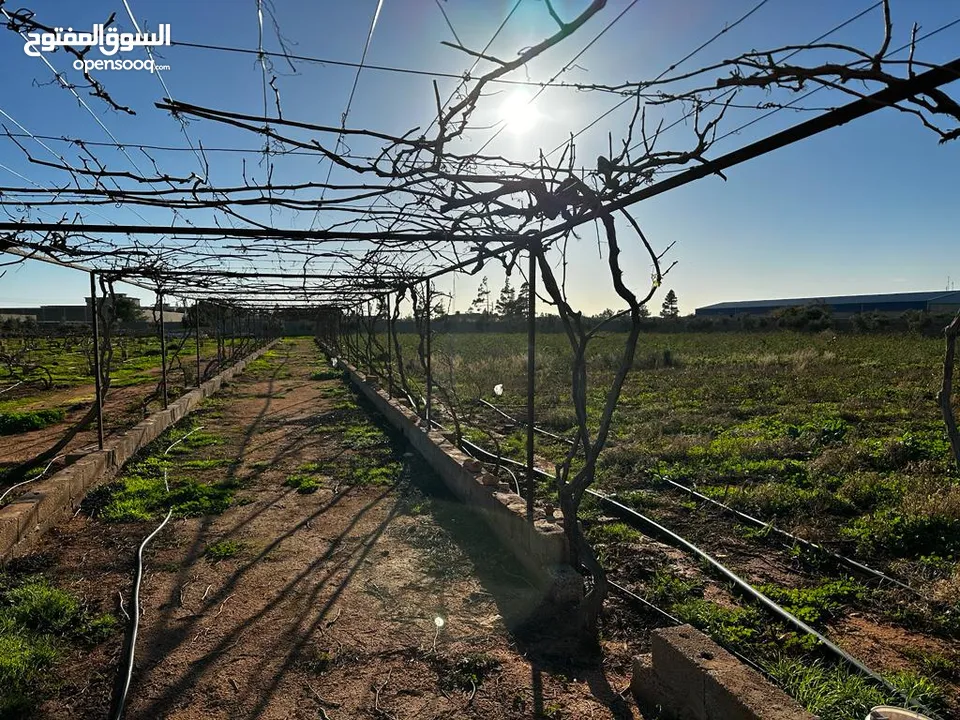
(652,527)
(637,599)
(138,578)
(655,528)
(849,563)
(523,423)
(841,559)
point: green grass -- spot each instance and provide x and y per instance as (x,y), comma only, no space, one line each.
(835,693)
(841,427)
(815,605)
(613,532)
(374,473)
(303,484)
(13,423)
(38,623)
(140,494)
(327,374)
(223,550)
(136,359)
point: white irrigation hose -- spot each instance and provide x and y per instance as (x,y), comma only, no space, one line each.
(34,479)
(138,578)
(12,387)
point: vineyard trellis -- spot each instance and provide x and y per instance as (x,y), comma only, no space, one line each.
(421,205)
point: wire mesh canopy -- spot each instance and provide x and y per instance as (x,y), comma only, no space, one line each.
(312,213)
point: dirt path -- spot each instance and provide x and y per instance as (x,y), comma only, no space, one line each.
(360,599)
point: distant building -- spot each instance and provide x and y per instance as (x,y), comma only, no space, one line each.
(936,302)
(80,314)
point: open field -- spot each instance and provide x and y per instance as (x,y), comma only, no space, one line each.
(837,439)
(47,385)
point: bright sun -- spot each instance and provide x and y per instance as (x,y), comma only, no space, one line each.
(519,113)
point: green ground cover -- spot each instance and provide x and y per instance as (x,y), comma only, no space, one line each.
(836,435)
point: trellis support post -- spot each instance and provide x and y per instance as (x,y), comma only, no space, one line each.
(95,322)
(389,348)
(531,374)
(163,351)
(196,313)
(429,409)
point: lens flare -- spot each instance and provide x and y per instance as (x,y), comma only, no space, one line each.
(519,114)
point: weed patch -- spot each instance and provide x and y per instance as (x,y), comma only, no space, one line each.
(837,693)
(303,484)
(815,605)
(223,550)
(38,622)
(13,423)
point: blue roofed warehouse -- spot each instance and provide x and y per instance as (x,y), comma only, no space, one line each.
(936,302)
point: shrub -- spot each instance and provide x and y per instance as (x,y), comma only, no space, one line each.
(13,423)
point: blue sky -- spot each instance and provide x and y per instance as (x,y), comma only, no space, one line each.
(869,207)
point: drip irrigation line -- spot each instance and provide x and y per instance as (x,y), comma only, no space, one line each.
(651,527)
(639,600)
(138,579)
(849,563)
(33,479)
(523,423)
(637,519)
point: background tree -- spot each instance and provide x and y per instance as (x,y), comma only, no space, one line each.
(506,301)
(521,304)
(669,308)
(481,303)
(125,309)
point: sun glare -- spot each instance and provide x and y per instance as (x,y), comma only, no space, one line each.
(519,113)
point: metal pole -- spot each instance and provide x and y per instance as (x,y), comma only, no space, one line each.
(233,334)
(429,359)
(196,312)
(163,351)
(369,340)
(531,372)
(389,349)
(95,321)
(338,345)
(218,326)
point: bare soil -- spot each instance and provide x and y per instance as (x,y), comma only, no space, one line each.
(123,408)
(352,601)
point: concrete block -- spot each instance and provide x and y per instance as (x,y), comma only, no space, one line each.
(51,501)
(9,528)
(690,677)
(26,509)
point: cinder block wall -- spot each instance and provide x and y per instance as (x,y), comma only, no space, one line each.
(540,546)
(47,501)
(687,676)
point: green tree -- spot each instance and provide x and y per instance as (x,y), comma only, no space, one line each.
(506,301)
(521,305)
(669,309)
(125,309)
(481,303)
